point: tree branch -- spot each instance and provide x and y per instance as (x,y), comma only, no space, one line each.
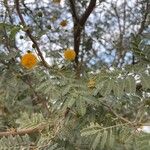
(79,23)
(73,9)
(147,11)
(20,132)
(117,115)
(87,12)
(30,35)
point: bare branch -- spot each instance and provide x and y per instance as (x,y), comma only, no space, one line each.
(78,27)
(147,11)
(20,132)
(30,35)
(73,9)
(87,12)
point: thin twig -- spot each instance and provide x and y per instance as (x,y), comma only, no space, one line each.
(147,11)
(79,23)
(73,9)
(117,115)
(20,132)
(28,32)
(87,13)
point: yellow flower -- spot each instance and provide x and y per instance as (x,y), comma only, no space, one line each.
(69,54)
(91,83)
(29,60)
(64,23)
(56,1)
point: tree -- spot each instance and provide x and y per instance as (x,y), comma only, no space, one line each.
(96,96)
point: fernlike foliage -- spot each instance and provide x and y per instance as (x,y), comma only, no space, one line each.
(53,109)
(108,115)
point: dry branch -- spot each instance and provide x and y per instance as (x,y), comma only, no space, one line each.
(28,32)
(21,132)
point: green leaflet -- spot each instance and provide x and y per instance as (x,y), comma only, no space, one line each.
(104,139)
(81,106)
(98,88)
(111,139)
(69,102)
(89,99)
(15,143)
(18,138)
(53,147)
(118,88)
(66,90)
(147,51)
(143,143)
(107,87)
(130,85)
(26,121)
(89,132)
(96,141)
(6,25)
(145,81)
(26,138)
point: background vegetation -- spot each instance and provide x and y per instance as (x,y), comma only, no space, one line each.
(99,101)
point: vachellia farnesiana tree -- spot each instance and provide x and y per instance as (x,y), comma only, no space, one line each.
(74,75)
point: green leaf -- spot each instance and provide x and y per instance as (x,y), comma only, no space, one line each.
(6,25)
(66,90)
(107,87)
(111,139)
(118,88)
(145,81)
(96,141)
(89,132)
(130,85)
(53,147)
(70,102)
(14,31)
(104,139)
(81,106)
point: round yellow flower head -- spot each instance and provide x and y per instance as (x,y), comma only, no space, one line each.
(29,60)
(69,54)
(91,83)
(63,23)
(56,1)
